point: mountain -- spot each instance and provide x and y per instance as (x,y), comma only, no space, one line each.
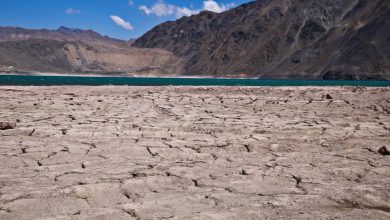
(68,50)
(61,34)
(299,39)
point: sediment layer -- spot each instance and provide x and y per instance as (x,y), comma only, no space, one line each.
(194,153)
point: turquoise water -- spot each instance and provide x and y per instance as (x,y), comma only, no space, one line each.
(23,80)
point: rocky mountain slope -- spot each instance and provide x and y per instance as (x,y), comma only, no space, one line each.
(312,39)
(68,50)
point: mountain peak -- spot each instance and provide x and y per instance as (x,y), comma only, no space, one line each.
(63,33)
(67,29)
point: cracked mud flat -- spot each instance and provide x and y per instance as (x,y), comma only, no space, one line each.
(194,153)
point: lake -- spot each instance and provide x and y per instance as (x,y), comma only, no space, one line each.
(24,80)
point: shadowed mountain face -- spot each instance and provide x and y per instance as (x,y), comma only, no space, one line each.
(67,50)
(312,39)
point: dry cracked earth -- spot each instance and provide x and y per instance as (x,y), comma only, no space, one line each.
(194,153)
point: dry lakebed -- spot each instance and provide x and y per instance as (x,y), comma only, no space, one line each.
(194,153)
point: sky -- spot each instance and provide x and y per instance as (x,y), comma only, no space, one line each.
(122,19)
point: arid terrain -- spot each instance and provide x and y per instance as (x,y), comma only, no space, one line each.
(267,39)
(75,51)
(194,153)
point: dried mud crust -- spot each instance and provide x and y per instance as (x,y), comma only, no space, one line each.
(194,153)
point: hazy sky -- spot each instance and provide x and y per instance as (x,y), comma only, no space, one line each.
(122,19)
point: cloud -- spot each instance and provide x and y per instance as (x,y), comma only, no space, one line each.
(120,22)
(180,12)
(161,9)
(71,11)
(131,2)
(213,6)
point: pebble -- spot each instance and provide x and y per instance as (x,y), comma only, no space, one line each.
(327,96)
(7,125)
(384,151)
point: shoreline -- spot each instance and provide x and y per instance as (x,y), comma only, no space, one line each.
(170,76)
(200,88)
(123,75)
